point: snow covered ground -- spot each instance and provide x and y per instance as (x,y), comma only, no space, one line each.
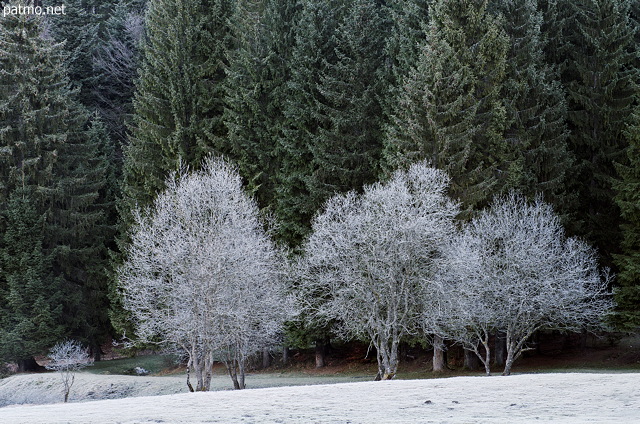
(574,398)
(37,389)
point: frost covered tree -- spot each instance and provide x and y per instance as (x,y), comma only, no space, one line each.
(202,275)
(371,256)
(68,357)
(512,269)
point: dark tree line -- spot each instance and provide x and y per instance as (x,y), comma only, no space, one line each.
(308,98)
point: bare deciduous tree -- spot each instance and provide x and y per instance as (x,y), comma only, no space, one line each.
(513,269)
(68,357)
(116,62)
(203,275)
(371,256)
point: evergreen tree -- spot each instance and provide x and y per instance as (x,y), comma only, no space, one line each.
(346,151)
(409,27)
(452,112)
(601,82)
(179,98)
(557,30)
(79,30)
(178,105)
(30,301)
(35,113)
(81,228)
(536,134)
(48,154)
(628,261)
(314,49)
(250,106)
(634,14)
(409,22)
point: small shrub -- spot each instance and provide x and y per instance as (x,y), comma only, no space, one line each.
(68,357)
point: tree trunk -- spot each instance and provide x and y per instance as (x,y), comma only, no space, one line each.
(208,365)
(189,376)
(96,352)
(500,349)
(387,355)
(198,369)
(241,367)
(388,365)
(231,368)
(320,359)
(266,358)
(285,355)
(439,359)
(471,361)
(509,362)
(68,378)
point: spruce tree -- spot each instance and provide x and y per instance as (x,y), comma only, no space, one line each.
(249,104)
(81,228)
(31,315)
(536,134)
(452,112)
(179,98)
(627,198)
(79,29)
(409,22)
(346,151)
(557,29)
(314,49)
(48,154)
(601,81)
(409,27)
(34,114)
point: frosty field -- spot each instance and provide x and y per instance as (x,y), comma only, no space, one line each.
(568,398)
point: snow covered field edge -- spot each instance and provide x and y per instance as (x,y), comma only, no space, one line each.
(577,398)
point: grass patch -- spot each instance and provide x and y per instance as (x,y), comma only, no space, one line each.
(152,363)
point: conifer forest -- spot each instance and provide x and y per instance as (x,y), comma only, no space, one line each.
(221,177)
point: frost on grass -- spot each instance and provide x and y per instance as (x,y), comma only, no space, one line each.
(566,398)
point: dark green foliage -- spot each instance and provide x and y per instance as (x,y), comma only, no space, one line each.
(60,169)
(251,113)
(557,28)
(409,27)
(35,113)
(536,135)
(601,83)
(79,30)
(346,151)
(332,140)
(452,112)
(30,299)
(179,97)
(314,49)
(81,228)
(628,262)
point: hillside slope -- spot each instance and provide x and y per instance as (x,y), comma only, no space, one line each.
(568,398)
